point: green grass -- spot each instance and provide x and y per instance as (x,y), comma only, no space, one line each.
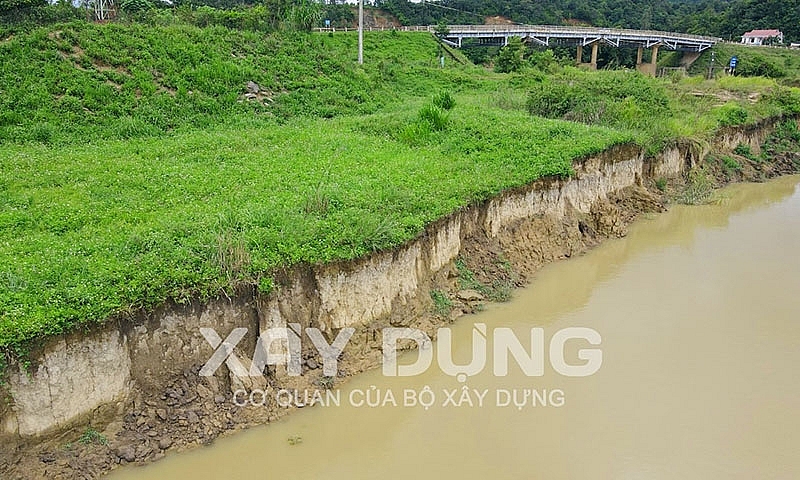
(441,303)
(78,82)
(730,164)
(132,171)
(87,231)
(90,435)
(658,111)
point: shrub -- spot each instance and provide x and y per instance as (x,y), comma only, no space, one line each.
(135,5)
(542,60)
(759,66)
(732,114)
(617,98)
(788,130)
(510,57)
(551,100)
(743,150)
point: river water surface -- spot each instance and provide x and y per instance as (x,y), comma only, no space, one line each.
(699,313)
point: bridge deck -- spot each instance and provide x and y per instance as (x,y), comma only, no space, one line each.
(548,35)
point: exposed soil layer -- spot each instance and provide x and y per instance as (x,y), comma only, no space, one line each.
(474,256)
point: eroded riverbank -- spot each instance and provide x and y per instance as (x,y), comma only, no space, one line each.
(698,312)
(156,401)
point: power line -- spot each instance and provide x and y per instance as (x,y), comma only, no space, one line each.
(434,4)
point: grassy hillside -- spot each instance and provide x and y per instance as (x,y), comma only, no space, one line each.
(79,82)
(773,62)
(134,170)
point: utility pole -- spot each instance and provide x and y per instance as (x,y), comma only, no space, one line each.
(711,67)
(360,32)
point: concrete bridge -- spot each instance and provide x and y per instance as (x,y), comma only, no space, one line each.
(579,37)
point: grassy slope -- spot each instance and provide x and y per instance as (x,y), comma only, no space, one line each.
(91,229)
(774,62)
(141,191)
(80,82)
(99,228)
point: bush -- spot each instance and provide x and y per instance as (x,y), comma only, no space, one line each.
(732,114)
(551,100)
(542,60)
(25,17)
(743,150)
(788,130)
(620,98)
(759,66)
(135,5)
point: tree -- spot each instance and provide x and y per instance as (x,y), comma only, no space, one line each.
(511,57)
(8,5)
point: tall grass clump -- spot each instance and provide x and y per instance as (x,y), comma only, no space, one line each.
(699,187)
(444,100)
(433,116)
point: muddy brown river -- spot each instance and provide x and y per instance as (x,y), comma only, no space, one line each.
(699,313)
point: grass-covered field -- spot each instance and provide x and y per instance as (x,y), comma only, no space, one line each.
(132,171)
(89,230)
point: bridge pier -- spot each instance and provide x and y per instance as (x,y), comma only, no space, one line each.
(593,64)
(648,68)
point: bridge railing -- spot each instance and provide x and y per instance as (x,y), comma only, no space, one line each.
(505,29)
(540,29)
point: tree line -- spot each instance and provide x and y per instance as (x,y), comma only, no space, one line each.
(728,19)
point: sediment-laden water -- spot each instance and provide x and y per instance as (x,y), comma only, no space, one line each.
(699,313)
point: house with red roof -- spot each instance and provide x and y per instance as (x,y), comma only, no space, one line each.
(761,37)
